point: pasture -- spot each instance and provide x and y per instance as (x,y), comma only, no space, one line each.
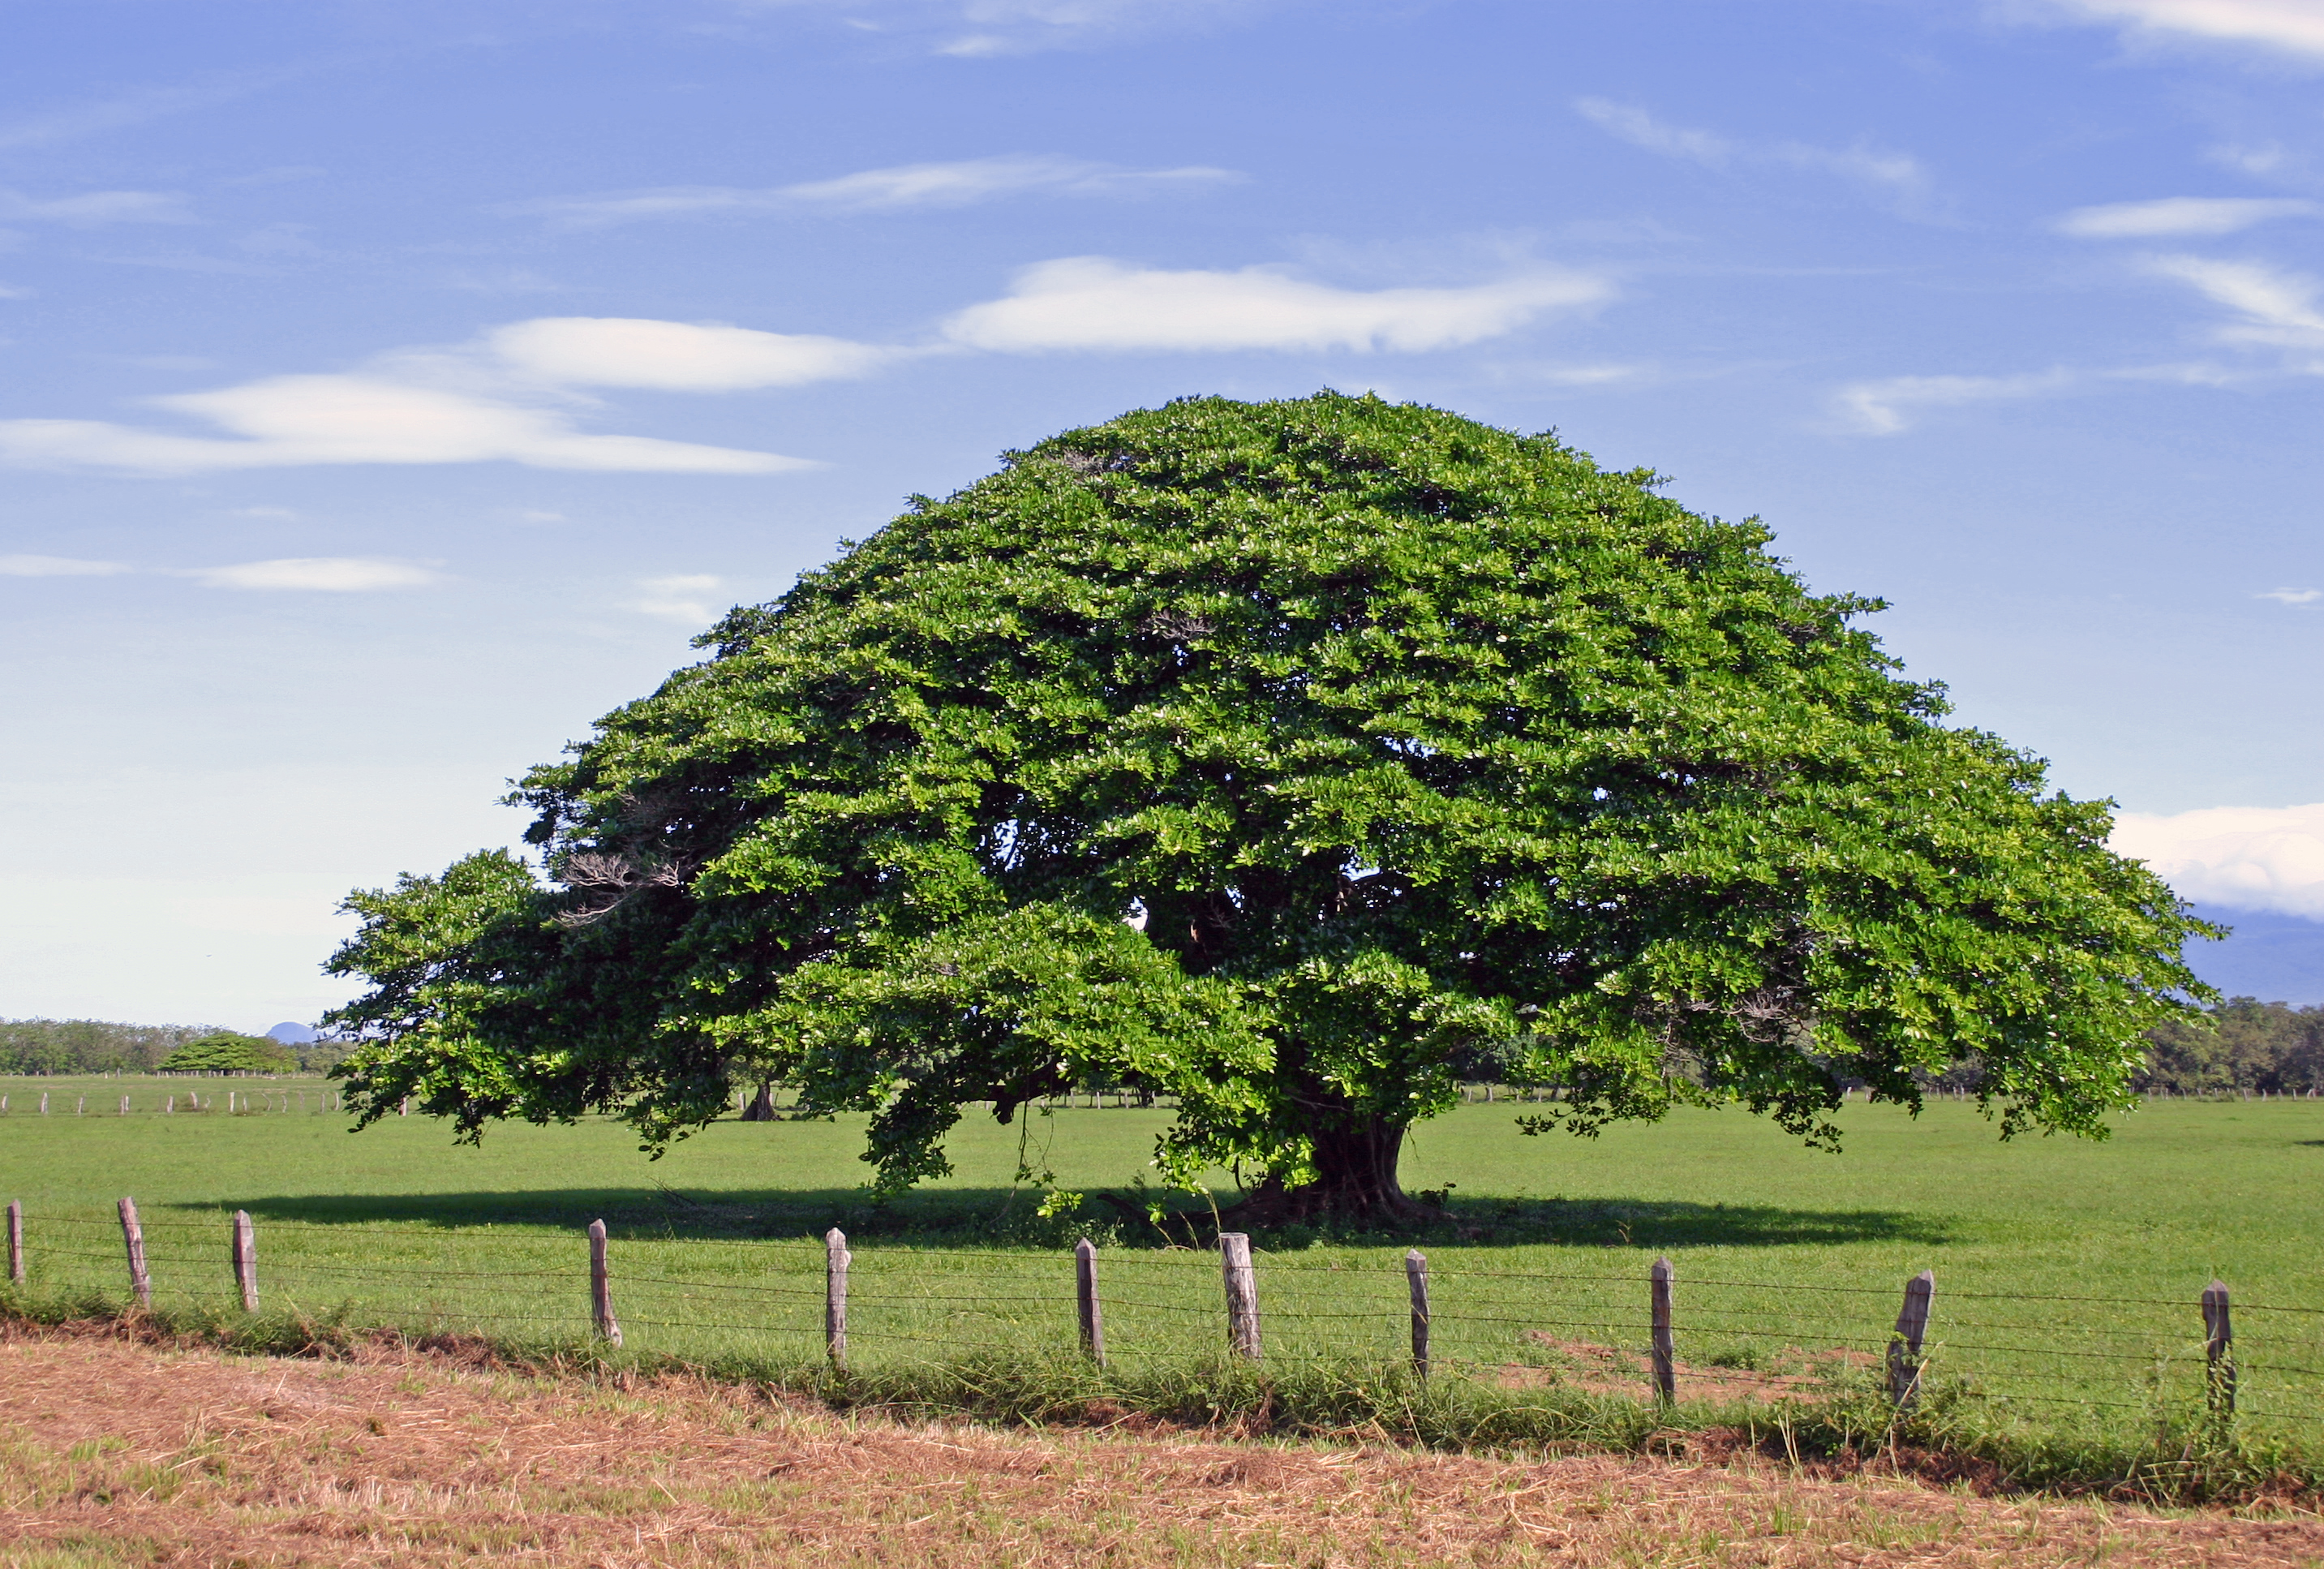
(2068,1273)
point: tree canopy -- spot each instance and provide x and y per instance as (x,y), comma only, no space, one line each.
(229,1051)
(1292,760)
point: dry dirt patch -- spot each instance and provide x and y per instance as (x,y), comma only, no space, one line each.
(116,1453)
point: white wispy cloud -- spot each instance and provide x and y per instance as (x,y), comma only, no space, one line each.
(960,183)
(317,574)
(514,393)
(1091,302)
(328,574)
(289,422)
(2180,215)
(1897,175)
(682,598)
(613,351)
(2294,27)
(504,398)
(2264,160)
(72,122)
(2244,858)
(93,209)
(1640,129)
(2278,309)
(2293,596)
(2275,309)
(56,566)
(972,28)
(1886,407)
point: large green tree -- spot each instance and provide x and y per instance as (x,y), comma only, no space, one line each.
(1291,758)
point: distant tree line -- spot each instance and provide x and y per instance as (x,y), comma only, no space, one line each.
(96,1046)
(2243,1043)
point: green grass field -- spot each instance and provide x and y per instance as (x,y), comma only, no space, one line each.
(2068,1273)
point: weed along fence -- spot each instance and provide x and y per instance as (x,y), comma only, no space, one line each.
(1651,1334)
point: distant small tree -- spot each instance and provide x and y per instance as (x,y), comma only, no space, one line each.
(1293,760)
(227,1051)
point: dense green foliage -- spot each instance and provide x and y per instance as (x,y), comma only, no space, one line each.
(1409,747)
(89,1046)
(226,1051)
(2243,1043)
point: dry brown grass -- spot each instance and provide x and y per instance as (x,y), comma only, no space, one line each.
(1605,1369)
(113,1453)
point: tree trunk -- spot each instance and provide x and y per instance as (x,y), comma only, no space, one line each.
(761,1110)
(1355,1155)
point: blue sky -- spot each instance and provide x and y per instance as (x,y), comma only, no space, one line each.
(388,389)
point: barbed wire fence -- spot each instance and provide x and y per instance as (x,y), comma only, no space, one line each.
(1658,1336)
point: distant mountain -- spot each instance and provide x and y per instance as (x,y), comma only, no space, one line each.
(290,1033)
(2277,958)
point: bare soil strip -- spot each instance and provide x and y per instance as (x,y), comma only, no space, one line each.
(113,1453)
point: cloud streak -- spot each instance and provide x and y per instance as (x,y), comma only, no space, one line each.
(514,392)
(2179,215)
(57,567)
(137,107)
(95,208)
(973,29)
(495,400)
(2244,858)
(902,188)
(679,598)
(2275,309)
(1897,175)
(296,422)
(2278,309)
(317,575)
(2294,27)
(1886,407)
(613,351)
(1095,303)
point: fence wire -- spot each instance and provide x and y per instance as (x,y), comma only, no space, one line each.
(1728,1339)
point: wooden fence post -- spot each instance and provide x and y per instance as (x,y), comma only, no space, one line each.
(245,1253)
(16,1240)
(1415,1275)
(2219,1350)
(1242,1294)
(1904,1345)
(601,1290)
(1092,1316)
(1665,1359)
(836,1257)
(134,1235)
